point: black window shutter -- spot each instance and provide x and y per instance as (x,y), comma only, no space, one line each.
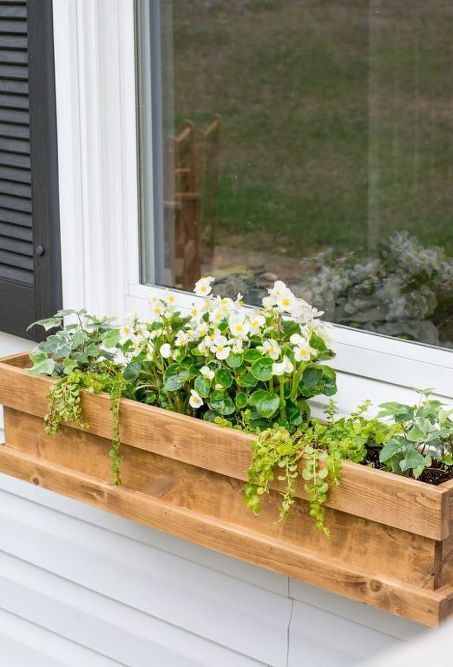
(30,267)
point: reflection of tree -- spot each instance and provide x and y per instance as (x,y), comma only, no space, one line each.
(400,292)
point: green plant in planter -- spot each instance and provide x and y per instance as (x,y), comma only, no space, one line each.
(425,435)
(312,453)
(220,361)
(230,364)
(81,355)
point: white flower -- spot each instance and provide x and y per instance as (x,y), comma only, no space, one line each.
(201,330)
(165,351)
(207,372)
(272,348)
(268,302)
(143,331)
(303,352)
(278,289)
(220,347)
(197,310)
(225,305)
(256,322)
(169,298)
(157,308)
(127,331)
(236,345)
(181,339)
(282,367)
(298,340)
(286,301)
(203,286)
(195,399)
(239,326)
(150,351)
(216,316)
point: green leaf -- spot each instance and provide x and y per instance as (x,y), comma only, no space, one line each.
(221,403)
(412,459)
(420,430)
(265,402)
(69,365)
(401,413)
(393,447)
(132,371)
(252,355)
(241,399)
(175,377)
(44,367)
(47,324)
(234,360)
(111,338)
(261,369)
(203,386)
(318,379)
(223,377)
(246,379)
(318,344)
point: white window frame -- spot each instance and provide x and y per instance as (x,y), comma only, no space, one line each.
(98,169)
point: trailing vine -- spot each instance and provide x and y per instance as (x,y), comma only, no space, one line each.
(64,403)
(312,454)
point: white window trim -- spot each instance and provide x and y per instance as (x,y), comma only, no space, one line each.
(97,134)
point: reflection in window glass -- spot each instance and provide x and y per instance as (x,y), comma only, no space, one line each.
(307,141)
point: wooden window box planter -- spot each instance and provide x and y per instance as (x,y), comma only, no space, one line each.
(391,543)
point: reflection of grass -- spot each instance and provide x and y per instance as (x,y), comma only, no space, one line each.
(290,80)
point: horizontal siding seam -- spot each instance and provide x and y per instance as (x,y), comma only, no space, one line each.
(57,634)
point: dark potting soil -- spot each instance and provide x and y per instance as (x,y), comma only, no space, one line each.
(436,474)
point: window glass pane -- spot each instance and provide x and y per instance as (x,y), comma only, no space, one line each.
(307,141)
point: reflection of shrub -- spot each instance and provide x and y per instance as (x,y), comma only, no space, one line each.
(399,292)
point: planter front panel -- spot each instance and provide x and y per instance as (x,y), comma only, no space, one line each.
(185,477)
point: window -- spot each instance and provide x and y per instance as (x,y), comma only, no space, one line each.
(307,141)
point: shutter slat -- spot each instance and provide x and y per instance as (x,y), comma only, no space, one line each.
(15,217)
(15,87)
(21,276)
(15,203)
(15,246)
(15,189)
(14,116)
(14,72)
(14,101)
(15,146)
(13,130)
(14,160)
(16,27)
(15,175)
(13,42)
(19,57)
(15,232)
(14,260)
(15,11)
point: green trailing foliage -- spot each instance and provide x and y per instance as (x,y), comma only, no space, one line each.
(312,453)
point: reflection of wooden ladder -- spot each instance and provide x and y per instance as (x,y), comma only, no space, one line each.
(181,204)
(210,180)
(185,210)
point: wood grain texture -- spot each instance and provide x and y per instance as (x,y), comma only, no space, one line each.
(424,606)
(363,492)
(367,545)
